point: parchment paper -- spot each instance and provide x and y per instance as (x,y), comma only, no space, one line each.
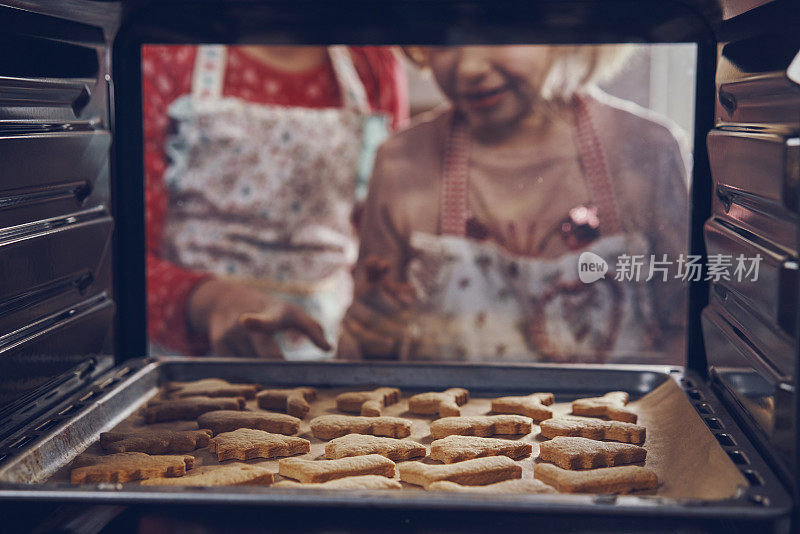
(681,450)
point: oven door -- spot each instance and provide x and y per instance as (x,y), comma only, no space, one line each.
(56,314)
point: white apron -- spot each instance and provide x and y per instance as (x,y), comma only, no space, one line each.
(263,194)
(479,302)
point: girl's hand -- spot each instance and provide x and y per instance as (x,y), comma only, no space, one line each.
(242,321)
(376,325)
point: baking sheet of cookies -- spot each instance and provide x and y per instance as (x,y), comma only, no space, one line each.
(681,450)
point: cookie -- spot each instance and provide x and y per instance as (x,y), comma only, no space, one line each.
(323,470)
(459,448)
(188,408)
(293,401)
(477,472)
(127,467)
(335,426)
(367,403)
(482,425)
(533,406)
(228,420)
(593,429)
(610,405)
(582,453)
(210,387)
(154,441)
(444,403)
(367,482)
(360,444)
(623,479)
(246,444)
(218,475)
(515,486)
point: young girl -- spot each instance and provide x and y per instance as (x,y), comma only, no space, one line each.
(477,216)
(252,162)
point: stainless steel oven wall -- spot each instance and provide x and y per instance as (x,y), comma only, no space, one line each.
(751,326)
(56,305)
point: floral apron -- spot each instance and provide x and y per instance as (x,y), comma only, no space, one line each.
(263,194)
(480,302)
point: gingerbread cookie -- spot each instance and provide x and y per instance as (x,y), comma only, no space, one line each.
(323,470)
(515,486)
(127,467)
(228,420)
(246,444)
(367,403)
(623,479)
(445,403)
(610,405)
(459,448)
(582,453)
(482,425)
(360,444)
(188,408)
(293,401)
(155,441)
(593,429)
(210,387)
(477,472)
(365,482)
(533,406)
(335,426)
(218,475)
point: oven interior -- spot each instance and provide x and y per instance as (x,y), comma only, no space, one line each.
(72,298)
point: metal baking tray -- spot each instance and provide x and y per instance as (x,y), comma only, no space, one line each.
(40,450)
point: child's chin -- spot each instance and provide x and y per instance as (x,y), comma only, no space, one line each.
(502,117)
(493,127)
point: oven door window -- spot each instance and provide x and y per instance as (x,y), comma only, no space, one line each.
(462,203)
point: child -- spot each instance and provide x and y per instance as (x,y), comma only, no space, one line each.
(477,215)
(252,159)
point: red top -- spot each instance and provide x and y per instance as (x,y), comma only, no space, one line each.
(167,75)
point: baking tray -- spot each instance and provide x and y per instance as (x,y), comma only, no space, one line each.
(39,451)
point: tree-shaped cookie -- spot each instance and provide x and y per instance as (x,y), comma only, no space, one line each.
(127,466)
(159,410)
(367,403)
(594,429)
(444,403)
(247,443)
(533,406)
(583,453)
(293,401)
(610,405)
(335,426)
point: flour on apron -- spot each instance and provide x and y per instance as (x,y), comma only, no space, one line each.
(480,302)
(263,194)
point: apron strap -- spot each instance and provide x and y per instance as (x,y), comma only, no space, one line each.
(209,72)
(454,212)
(354,95)
(595,166)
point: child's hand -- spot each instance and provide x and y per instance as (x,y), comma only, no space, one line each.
(242,321)
(377,321)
